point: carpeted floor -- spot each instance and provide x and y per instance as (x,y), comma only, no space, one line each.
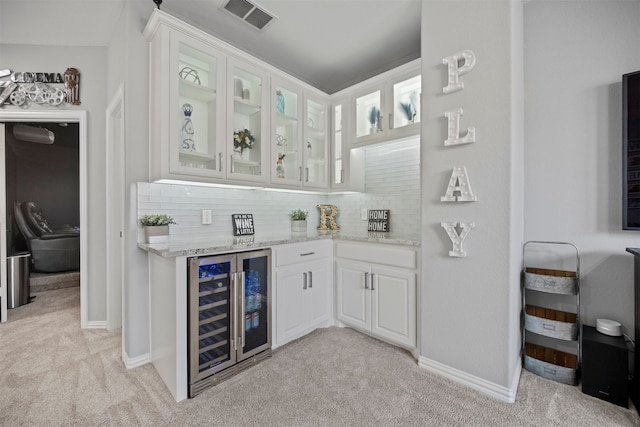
(53,373)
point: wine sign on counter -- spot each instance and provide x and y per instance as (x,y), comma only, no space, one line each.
(242,224)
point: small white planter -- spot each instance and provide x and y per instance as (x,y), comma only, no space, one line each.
(299,226)
(156,233)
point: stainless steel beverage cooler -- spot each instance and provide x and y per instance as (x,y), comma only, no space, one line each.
(229,316)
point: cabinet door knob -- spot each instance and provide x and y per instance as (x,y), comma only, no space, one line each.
(310,279)
(371,275)
(304,281)
(366,280)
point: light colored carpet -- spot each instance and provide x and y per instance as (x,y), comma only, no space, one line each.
(54,373)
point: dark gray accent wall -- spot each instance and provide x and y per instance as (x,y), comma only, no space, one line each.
(46,174)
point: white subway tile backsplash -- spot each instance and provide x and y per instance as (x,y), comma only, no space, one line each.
(392,177)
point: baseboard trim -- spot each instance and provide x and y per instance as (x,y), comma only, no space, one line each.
(134,362)
(96,324)
(504,394)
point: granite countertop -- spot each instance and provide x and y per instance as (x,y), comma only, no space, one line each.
(635,251)
(218,244)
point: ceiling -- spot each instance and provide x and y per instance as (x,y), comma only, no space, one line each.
(330,44)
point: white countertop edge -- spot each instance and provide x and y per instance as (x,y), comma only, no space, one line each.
(234,244)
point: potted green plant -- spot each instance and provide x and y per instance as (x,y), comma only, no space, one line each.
(298,220)
(156,227)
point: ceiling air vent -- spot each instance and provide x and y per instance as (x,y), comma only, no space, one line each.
(249,12)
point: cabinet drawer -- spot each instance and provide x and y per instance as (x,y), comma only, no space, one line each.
(301,252)
(375,253)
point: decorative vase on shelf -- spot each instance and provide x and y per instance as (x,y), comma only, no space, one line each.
(188,142)
(280,166)
(238,153)
(279,102)
(299,226)
(237,88)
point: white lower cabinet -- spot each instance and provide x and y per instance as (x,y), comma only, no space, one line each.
(377,299)
(302,289)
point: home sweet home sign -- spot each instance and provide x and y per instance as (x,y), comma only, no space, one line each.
(459,188)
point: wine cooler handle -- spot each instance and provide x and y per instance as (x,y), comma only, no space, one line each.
(232,168)
(372,278)
(366,280)
(233,294)
(390,120)
(242,298)
(304,281)
(220,161)
(311,279)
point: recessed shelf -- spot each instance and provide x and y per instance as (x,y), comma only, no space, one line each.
(196,91)
(197,155)
(245,107)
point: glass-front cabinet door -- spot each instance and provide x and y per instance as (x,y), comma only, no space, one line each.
(405,97)
(197,110)
(338,152)
(211,314)
(254,294)
(369,115)
(247,122)
(315,144)
(286,157)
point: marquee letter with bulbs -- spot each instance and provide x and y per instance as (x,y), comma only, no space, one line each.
(459,188)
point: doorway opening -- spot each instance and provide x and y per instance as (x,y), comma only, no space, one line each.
(43,200)
(45,180)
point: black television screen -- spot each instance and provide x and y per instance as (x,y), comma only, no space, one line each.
(631,151)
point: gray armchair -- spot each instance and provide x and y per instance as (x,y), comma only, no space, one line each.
(53,248)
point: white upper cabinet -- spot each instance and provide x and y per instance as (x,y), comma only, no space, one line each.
(195,136)
(202,128)
(247,122)
(187,96)
(299,138)
(286,153)
(220,116)
(387,107)
(316,143)
(347,165)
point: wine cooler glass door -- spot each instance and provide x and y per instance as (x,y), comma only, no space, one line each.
(254,294)
(211,314)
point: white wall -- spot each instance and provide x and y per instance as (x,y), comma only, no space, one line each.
(575,55)
(129,64)
(92,64)
(470,306)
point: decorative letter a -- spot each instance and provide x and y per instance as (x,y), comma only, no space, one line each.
(459,182)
